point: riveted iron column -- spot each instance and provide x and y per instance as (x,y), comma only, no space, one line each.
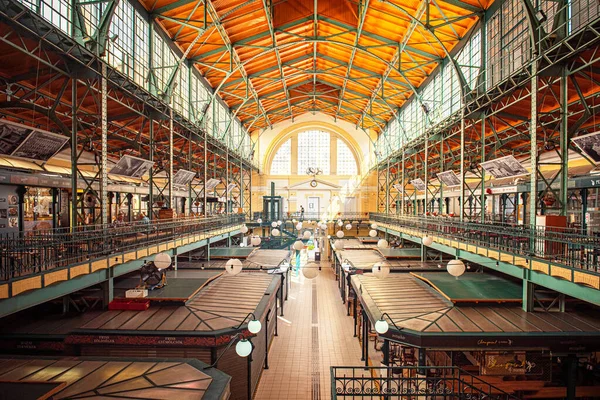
(104,154)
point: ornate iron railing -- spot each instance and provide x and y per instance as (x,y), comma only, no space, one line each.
(559,245)
(28,253)
(411,382)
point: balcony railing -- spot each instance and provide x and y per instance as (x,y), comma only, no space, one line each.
(27,253)
(411,382)
(560,245)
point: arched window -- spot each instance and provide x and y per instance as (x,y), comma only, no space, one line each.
(281,162)
(346,163)
(313,150)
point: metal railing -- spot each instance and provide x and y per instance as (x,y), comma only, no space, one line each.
(313,216)
(560,245)
(422,382)
(27,253)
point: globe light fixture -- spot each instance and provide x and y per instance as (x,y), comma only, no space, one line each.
(299,226)
(259,221)
(340,223)
(162,260)
(383,244)
(306,235)
(372,233)
(382,326)
(275,232)
(279,223)
(340,234)
(374,226)
(348,227)
(380,270)
(255,241)
(274,224)
(233,266)
(244,229)
(310,270)
(254,326)
(298,245)
(427,241)
(456,268)
(243,348)
(339,244)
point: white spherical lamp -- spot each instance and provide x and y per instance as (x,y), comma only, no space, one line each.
(259,221)
(427,241)
(244,229)
(233,266)
(298,245)
(348,227)
(275,232)
(372,233)
(243,348)
(340,223)
(162,260)
(299,226)
(255,241)
(254,326)
(374,226)
(279,223)
(340,234)
(380,270)
(310,270)
(456,268)
(381,326)
(324,226)
(338,244)
(306,235)
(383,244)
(274,224)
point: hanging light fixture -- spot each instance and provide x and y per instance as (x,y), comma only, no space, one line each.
(456,268)
(244,229)
(427,241)
(306,235)
(374,226)
(259,221)
(383,244)
(274,224)
(372,233)
(279,223)
(348,227)
(243,348)
(255,241)
(340,223)
(380,270)
(233,266)
(275,232)
(340,234)
(382,326)
(339,244)
(310,270)
(298,245)
(299,226)
(162,260)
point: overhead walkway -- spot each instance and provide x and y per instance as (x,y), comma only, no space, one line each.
(40,266)
(566,262)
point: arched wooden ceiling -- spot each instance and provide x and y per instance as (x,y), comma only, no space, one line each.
(272,60)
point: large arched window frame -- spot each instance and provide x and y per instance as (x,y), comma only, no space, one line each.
(297,151)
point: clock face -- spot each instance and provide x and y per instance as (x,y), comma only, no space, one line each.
(313,183)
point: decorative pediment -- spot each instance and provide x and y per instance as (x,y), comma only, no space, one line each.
(321,185)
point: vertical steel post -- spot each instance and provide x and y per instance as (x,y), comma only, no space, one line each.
(104,155)
(533,199)
(171,197)
(564,141)
(462,163)
(74,172)
(426,176)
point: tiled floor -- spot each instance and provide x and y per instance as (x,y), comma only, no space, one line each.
(306,347)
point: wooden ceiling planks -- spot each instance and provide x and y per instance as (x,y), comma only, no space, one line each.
(334,26)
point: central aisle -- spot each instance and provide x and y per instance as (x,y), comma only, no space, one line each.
(314,334)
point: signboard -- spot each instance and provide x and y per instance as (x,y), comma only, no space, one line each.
(211,184)
(589,145)
(504,167)
(418,184)
(183,177)
(398,187)
(230,187)
(131,166)
(21,141)
(449,178)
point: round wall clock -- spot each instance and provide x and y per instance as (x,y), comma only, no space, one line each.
(313,183)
